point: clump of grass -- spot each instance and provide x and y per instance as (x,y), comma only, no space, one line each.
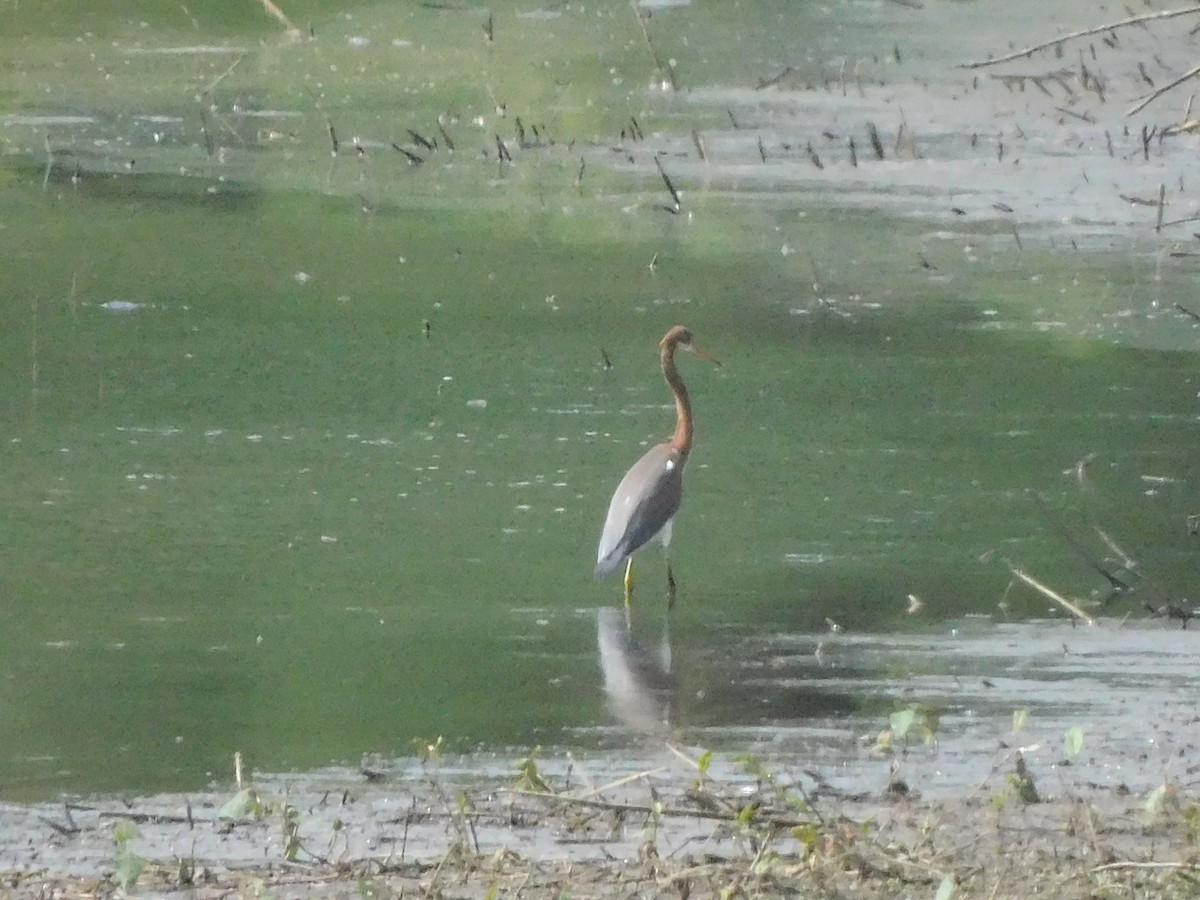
(920,722)
(129,865)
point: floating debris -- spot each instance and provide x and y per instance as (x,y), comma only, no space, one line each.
(125,306)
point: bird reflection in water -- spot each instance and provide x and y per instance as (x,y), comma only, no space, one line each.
(638,680)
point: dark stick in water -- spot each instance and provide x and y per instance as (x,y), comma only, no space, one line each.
(670,187)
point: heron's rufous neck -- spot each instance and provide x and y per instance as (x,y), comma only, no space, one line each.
(682,440)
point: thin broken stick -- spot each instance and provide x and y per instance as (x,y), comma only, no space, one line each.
(683,757)
(670,187)
(620,782)
(1052,594)
(776,820)
(213,84)
(1132,20)
(1154,95)
(278,13)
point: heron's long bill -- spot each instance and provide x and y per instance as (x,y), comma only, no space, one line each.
(704,354)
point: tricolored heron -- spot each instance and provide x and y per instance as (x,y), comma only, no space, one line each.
(648,497)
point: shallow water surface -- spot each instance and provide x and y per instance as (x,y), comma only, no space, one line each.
(306,455)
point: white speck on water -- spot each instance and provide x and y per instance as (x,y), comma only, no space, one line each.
(477,404)
(254,437)
(26,121)
(302,277)
(358,41)
(124,306)
(806,559)
(243,113)
(328,539)
(197,50)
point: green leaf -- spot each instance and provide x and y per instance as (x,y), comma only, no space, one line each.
(125,832)
(808,836)
(129,869)
(1020,717)
(753,766)
(243,804)
(704,762)
(746,814)
(530,776)
(947,889)
(1157,801)
(1074,742)
(883,742)
(932,719)
(901,721)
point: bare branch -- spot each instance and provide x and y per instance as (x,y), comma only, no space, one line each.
(1132,20)
(1154,95)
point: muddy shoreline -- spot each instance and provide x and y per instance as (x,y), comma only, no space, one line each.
(671,831)
(961,789)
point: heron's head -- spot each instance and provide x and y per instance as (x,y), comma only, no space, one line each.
(679,336)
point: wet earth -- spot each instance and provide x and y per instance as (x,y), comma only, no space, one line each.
(1027,768)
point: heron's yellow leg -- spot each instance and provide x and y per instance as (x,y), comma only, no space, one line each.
(670,588)
(628,582)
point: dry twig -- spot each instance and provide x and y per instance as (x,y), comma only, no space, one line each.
(1154,95)
(1132,20)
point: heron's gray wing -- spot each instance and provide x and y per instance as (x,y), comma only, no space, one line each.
(645,500)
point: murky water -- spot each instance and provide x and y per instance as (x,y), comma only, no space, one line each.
(306,455)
